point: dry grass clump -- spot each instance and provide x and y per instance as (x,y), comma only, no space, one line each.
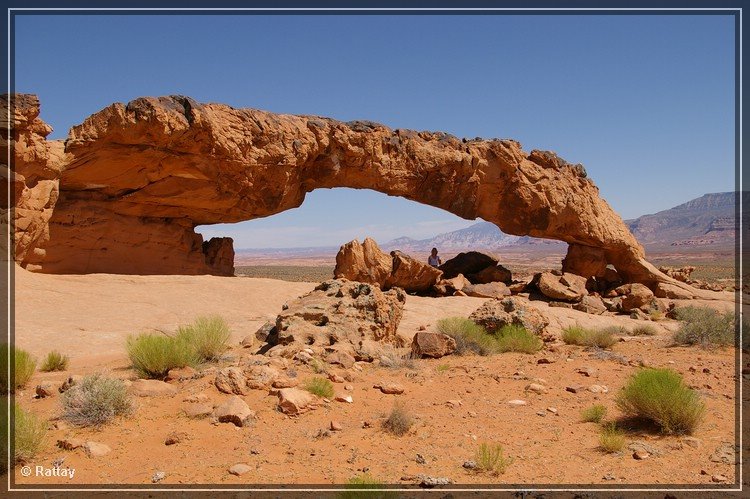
(577,335)
(513,338)
(611,438)
(96,400)
(319,386)
(660,395)
(28,435)
(392,359)
(705,327)
(208,337)
(593,414)
(470,337)
(644,330)
(399,421)
(23,366)
(490,458)
(366,481)
(55,361)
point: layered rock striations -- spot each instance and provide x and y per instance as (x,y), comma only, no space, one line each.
(137,179)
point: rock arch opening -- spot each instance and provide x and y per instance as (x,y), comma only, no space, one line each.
(126,190)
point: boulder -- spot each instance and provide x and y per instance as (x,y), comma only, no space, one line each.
(264,331)
(341,358)
(260,377)
(152,388)
(490,290)
(494,314)
(230,380)
(665,290)
(45,389)
(364,262)
(586,261)
(448,287)
(434,345)
(591,304)
(471,262)
(636,295)
(235,411)
(293,401)
(496,273)
(340,315)
(567,287)
(411,275)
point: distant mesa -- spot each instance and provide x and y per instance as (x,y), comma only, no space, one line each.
(125,191)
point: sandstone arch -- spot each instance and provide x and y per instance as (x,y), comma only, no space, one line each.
(133,181)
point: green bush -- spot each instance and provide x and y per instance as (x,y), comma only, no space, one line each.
(577,335)
(365,481)
(594,414)
(208,336)
(28,434)
(705,327)
(491,458)
(55,361)
(153,355)
(611,438)
(319,386)
(644,330)
(23,365)
(660,395)
(513,338)
(399,421)
(96,400)
(470,337)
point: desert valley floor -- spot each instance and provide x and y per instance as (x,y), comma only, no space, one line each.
(457,401)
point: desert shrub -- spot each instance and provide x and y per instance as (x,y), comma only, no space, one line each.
(644,330)
(95,400)
(656,315)
(611,438)
(660,395)
(23,369)
(365,481)
(491,458)
(28,434)
(470,337)
(399,421)
(443,368)
(615,330)
(318,367)
(319,386)
(55,361)
(392,359)
(513,338)
(594,414)
(208,336)
(153,355)
(705,327)
(577,335)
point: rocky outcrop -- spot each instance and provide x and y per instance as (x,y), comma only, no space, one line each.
(136,179)
(339,316)
(565,287)
(494,314)
(366,262)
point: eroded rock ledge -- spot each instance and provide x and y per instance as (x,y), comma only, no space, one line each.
(126,190)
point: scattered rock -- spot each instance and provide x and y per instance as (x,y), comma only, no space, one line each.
(341,358)
(598,389)
(293,401)
(586,371)
(70,382)
(420,459)
(724,453)
(239,469)
(70,443)
(96,449)
(494,314)
(553,410)
(433,345)
(591,305)
(640,455)
(495,290)
(719,478)
(175,437)
(196,398)
(349,388)
(516,402)
(574,388)
(248,341)
(390,388)
(231,380)
(645,448)
(344,398)
(181,374)
(336,378)
(336,426)
(152,388)
(266,331)
(545,360)
(235,411)
(454,403)
(197,411)
(158,476)
(260,377)
(285,382)
(44,390)
(536,388)
(430,482)
(692,442)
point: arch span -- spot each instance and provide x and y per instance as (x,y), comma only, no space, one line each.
(135,179)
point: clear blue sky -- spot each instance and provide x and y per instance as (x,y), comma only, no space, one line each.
(646,103)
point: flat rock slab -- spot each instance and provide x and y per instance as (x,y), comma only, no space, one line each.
(152,388)
(96,449)
(239,469)
(236,411)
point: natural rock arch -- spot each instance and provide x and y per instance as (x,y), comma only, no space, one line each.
(133,181)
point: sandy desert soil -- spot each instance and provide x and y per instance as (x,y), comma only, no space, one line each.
(89,317)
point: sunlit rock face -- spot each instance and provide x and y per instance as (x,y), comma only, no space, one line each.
(133,181)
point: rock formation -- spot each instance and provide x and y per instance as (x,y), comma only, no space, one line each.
(136,179)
